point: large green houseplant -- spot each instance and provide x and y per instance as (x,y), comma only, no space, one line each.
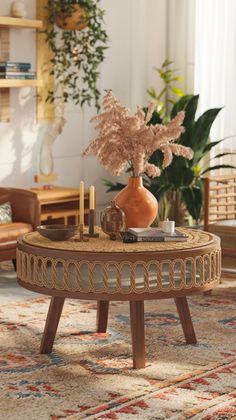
(180,186)
(77,52)
(183,181)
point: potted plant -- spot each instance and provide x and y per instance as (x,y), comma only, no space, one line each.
(125,139)
(180,186)
(72,16)
(77,39)
(182,183)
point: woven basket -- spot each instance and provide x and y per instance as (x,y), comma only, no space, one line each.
(77,21)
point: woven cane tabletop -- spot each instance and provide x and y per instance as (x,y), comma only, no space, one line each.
(103,244)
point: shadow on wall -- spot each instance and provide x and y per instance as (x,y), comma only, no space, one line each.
(19,146)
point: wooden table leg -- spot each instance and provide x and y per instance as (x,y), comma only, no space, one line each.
(102,315)
(52,321)
(137,332)
(186,320)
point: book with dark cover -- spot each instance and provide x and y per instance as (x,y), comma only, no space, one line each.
(14,69)
(156,235)
(18,76)
(14,64)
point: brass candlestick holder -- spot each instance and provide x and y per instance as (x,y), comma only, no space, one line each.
(82,237)
(91,233)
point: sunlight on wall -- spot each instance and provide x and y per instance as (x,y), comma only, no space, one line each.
(215,66)
(137,44)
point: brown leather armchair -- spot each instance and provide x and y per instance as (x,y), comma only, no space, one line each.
(25,215)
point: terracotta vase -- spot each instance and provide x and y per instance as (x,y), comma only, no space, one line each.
(139,205)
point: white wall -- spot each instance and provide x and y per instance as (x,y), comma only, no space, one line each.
(216,65)
(137,32)
(18,138)
(181,40)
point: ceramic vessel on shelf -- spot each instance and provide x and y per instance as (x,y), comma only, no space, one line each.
(138,203)
(112,221)
(18,9)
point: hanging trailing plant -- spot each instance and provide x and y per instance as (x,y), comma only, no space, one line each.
(77,52)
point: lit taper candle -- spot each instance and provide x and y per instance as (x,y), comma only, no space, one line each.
(81,203)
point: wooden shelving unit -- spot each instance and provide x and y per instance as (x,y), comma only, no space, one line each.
(10,22)
(45,109)
(6,23)
(17,83)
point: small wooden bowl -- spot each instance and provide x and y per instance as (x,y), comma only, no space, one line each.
(57,232)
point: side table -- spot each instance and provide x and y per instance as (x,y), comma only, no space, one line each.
(104,271)
(61,205)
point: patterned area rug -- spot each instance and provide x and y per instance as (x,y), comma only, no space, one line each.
(90,375)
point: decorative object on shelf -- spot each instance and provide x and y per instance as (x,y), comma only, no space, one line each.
(139,204)
(77,54)
(57,232)
(125,139)
(18,9)
(113,221)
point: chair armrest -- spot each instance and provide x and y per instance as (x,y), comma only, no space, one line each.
(25,206)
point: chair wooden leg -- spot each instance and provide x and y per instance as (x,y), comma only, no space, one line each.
(137,332)
(52,321)
(185,319)
(14,263)
(102,315)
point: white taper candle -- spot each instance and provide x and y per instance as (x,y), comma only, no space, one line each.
(92,197)
(81,203)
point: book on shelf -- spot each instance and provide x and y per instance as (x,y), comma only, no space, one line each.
(25,75)
(14,70)
(157,235)
(9,65)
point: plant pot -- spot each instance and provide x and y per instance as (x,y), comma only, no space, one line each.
(75,19)
(139,204)
(177,210)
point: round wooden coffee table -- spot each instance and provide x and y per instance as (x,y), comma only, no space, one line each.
(104,270)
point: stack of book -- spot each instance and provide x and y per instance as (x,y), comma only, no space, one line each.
(152,235)
(16,70)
